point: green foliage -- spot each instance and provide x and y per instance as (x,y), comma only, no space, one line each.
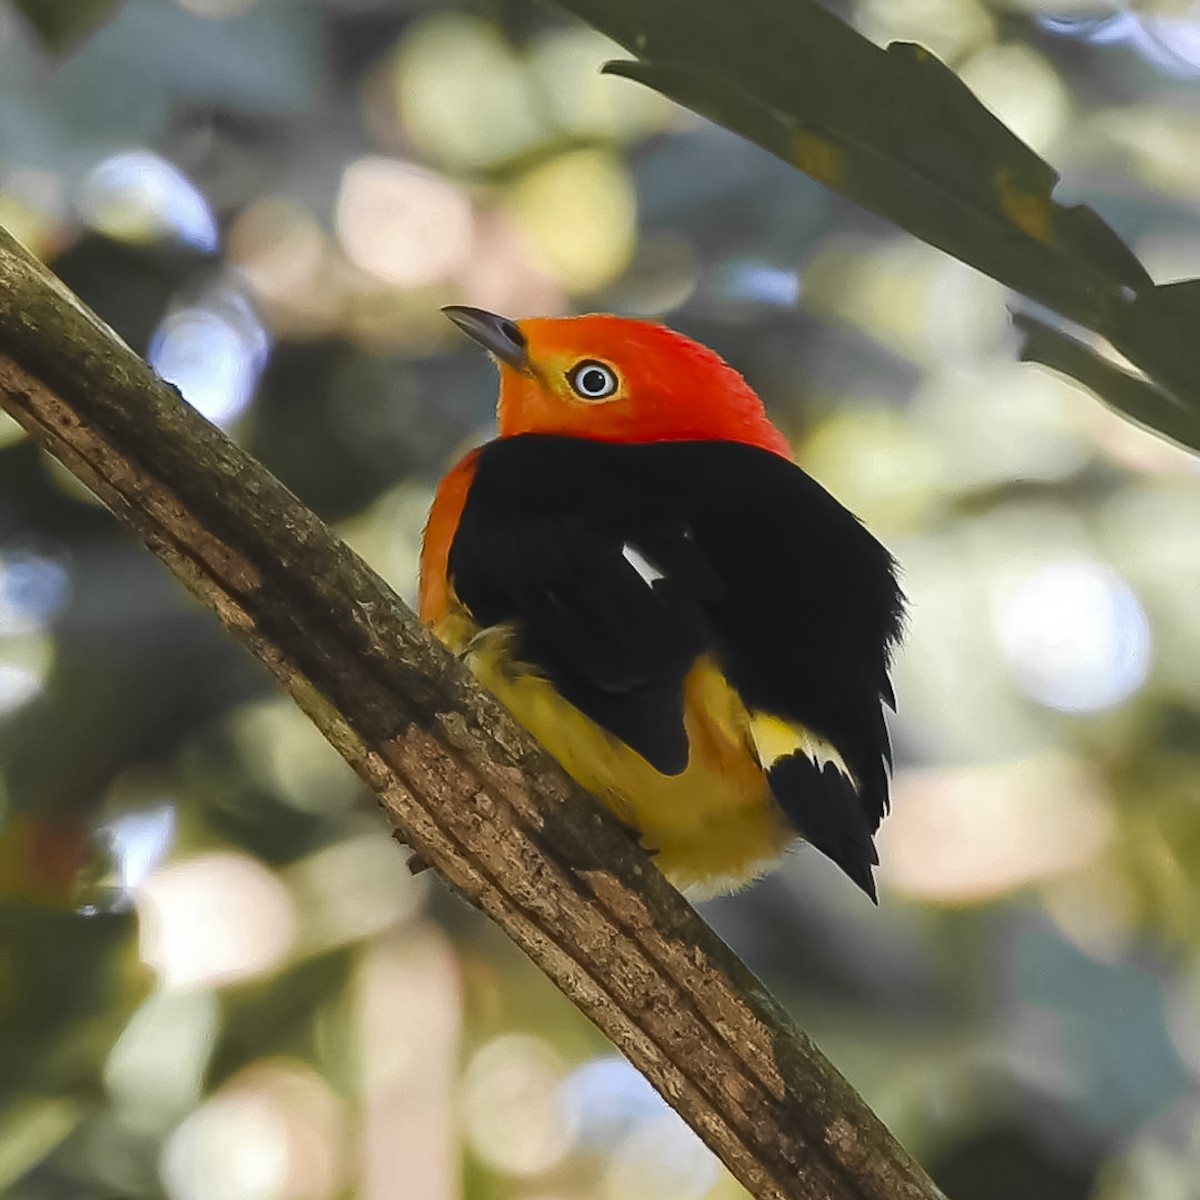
(898,132)
(279,1016)
(61,24)
(60,973)
(1141,400)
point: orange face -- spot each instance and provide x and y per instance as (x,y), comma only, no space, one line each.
(613,379)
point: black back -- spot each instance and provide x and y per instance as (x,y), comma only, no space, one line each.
(760,567)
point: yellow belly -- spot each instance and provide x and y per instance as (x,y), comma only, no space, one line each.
(713,828)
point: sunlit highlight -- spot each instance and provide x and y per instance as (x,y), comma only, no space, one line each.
(138,196)
(512,1118)
(401,223)
(950,28)
(605,1098)
(33,589)
(284,752)
(565,64)
(907,296)
(652,1154)
(409,1017)
(214,919)
(10,431)
(758,283)
(1169,40)
(214,353)
(462,93)
(291,267)
(274,1132)
(353,889)
(35,209)
(500,273)
(579,214)
(969,834)
(1075,635)
(661,1159)
(1023,89)
(138,841)
(25,662)
(155,1071)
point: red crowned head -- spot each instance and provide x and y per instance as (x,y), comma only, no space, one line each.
(615,380)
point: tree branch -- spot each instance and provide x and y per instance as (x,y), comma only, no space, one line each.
(466,788)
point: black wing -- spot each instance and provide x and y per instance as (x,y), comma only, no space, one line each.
(613,644)
(758,566)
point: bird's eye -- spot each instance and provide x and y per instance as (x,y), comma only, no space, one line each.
(592,380)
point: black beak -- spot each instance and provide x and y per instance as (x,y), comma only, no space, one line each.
(497,335)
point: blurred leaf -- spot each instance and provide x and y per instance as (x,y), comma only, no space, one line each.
(42,860)
(277,1015)
(68,983)
(1137,399)
(30,1131)
(900,133)
(63,23)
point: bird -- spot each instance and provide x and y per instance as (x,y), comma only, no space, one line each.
(687,621)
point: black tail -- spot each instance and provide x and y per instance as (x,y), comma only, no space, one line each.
(827,812)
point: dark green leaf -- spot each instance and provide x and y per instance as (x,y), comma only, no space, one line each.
(900,133)
(61,24)
(64,994)
(277,1015)
(1141,401)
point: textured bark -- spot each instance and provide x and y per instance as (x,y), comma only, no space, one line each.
(460,782)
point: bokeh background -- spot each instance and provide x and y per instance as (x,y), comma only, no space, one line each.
(217,980)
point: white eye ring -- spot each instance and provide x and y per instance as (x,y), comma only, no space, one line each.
(591,380)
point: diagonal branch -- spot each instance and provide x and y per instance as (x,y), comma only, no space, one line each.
(466,788)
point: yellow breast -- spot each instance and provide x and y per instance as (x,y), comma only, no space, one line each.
(713,828)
